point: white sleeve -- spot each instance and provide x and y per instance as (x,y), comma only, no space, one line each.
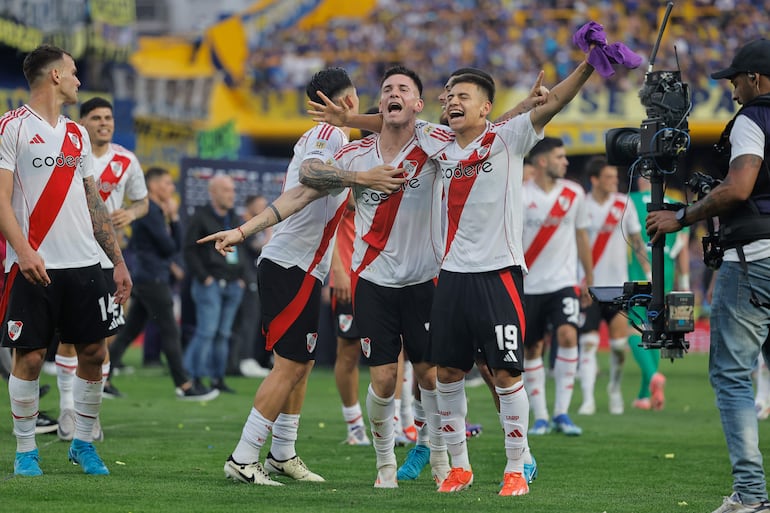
(746,138)
(8,140)
(631,219)
(582,221)
(87,165)
(432,138)
(520,133)
(136,189)
(323,142)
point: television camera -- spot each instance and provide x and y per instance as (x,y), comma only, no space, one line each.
(653,151)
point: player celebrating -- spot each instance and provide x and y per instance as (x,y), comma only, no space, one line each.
(392,300)
(478,310)
(291,268)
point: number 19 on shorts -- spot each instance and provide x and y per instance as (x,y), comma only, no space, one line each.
(508,340)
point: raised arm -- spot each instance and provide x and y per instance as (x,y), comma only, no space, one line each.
(537,96)
(342,115)
(560,96)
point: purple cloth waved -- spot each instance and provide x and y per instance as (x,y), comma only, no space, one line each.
(602,56)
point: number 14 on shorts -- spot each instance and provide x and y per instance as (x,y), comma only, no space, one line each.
(508,340)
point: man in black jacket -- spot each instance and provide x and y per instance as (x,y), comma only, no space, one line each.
(155,239)
(216,285)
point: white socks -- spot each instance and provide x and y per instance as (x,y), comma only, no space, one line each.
(381,411)
(25,400)
(617,358)
(534,381)
(564,371)
(589,342)
(88,401)
(353,416)
(65,376)
(253,437)
(453,407)
(514,417)
(285,430)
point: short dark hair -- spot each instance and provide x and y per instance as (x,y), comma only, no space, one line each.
(94,103)
(545,145)
(485,83)
(403,70)
(155,172)
(330,81)
(472,71)
(595,165)
(38,59)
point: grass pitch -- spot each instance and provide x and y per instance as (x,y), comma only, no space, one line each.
(167,455)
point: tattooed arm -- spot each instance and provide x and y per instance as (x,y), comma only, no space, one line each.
(289,202)
(314,173)
(105,235)
(734,189)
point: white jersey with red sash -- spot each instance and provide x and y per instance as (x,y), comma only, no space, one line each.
(119,176)
(611,224)
(49,165)
(305,239)
(298,239)
(482,183)
(550,221)
(398,236)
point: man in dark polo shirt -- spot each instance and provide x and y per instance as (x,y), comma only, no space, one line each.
(216,285)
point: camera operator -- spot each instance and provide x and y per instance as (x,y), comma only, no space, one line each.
(740,313)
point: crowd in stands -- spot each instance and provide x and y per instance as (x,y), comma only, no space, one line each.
(513,39)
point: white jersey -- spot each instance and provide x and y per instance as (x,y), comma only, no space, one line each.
(398,236)
(118,176)
(305,239)
(611,225)
(550,244)
(49,200)
(482,183)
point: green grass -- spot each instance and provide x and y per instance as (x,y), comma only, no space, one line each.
(167,455)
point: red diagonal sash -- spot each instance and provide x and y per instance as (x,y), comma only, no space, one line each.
(52,198)
(513,293)
(385,214)
(281,323)
(558,211)
(613,218)
(113,172)
(460,187)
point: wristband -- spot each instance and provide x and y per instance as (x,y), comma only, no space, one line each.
(243,237)
(275,211)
